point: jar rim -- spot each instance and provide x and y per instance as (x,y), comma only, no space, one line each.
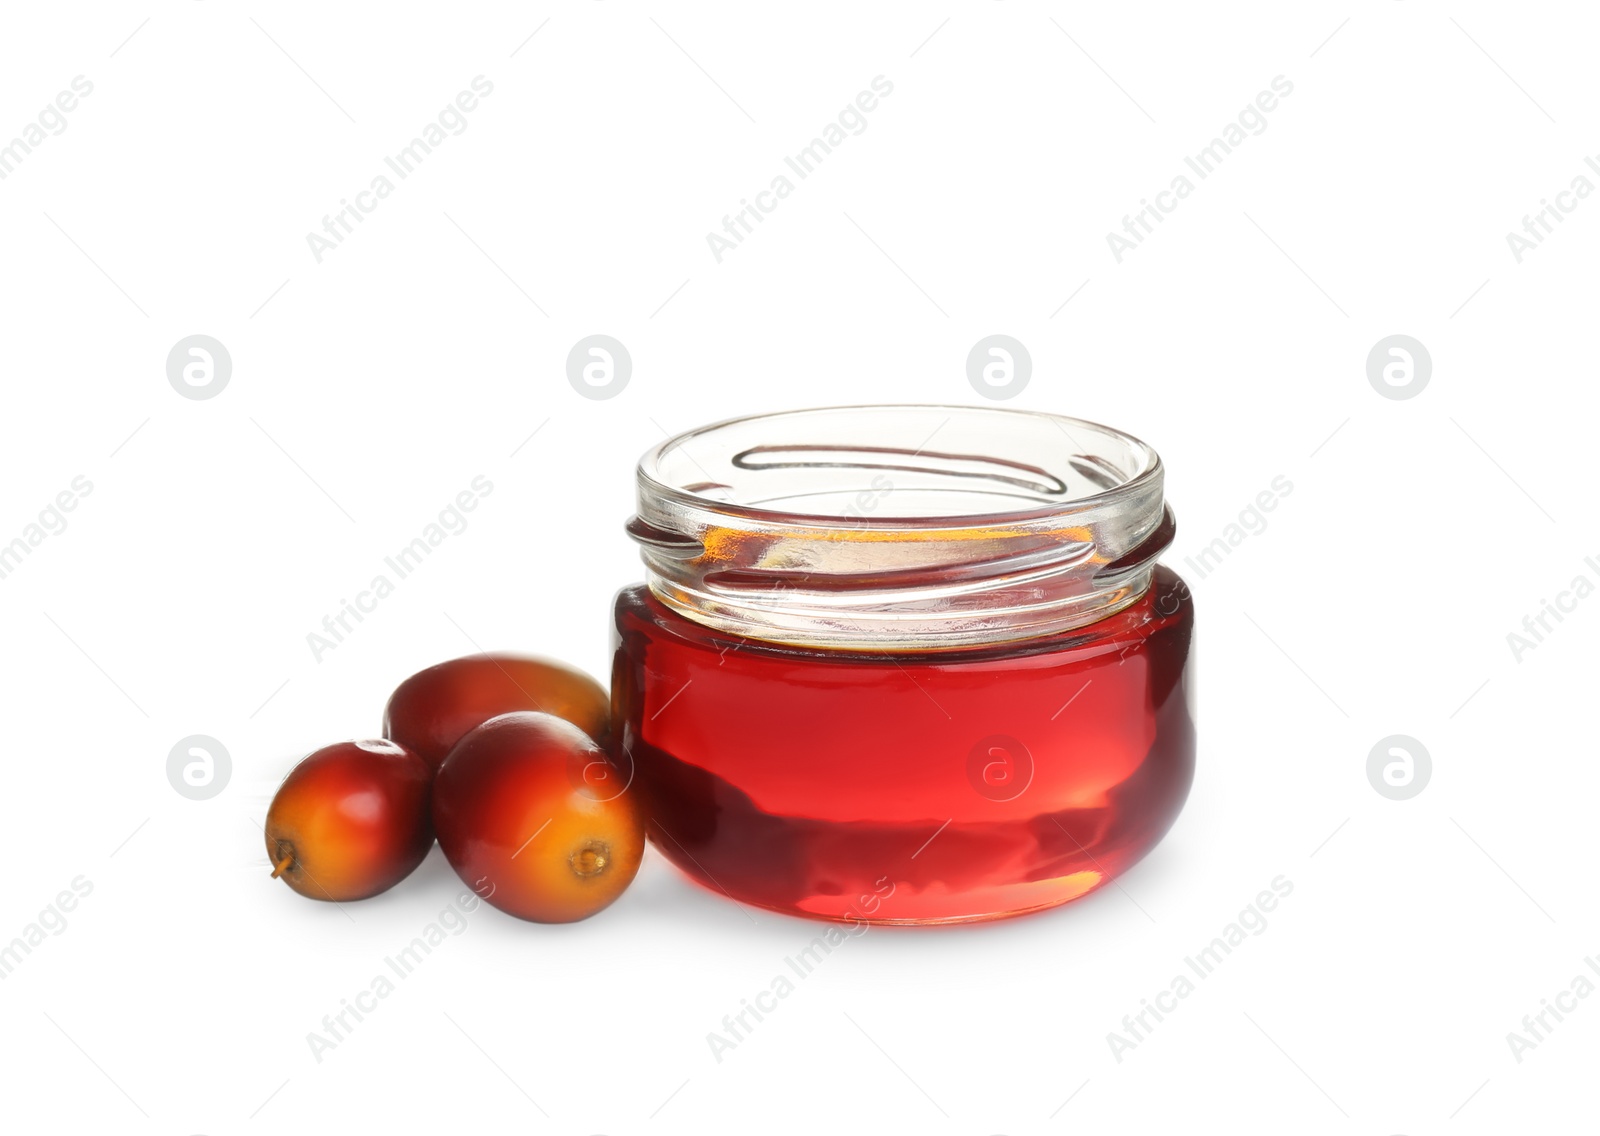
(648,472)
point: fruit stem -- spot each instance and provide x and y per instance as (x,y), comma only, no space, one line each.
(591,859)
(279,867)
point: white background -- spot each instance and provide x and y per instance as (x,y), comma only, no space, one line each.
(369,389)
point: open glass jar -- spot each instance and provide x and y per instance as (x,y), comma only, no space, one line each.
(904,664)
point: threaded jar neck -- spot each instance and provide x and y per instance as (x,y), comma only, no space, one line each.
(900,528)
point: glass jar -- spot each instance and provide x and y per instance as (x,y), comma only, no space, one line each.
(904,664)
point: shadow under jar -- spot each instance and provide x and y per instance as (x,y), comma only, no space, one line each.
(904,664)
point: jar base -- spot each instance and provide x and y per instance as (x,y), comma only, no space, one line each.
(991,915)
